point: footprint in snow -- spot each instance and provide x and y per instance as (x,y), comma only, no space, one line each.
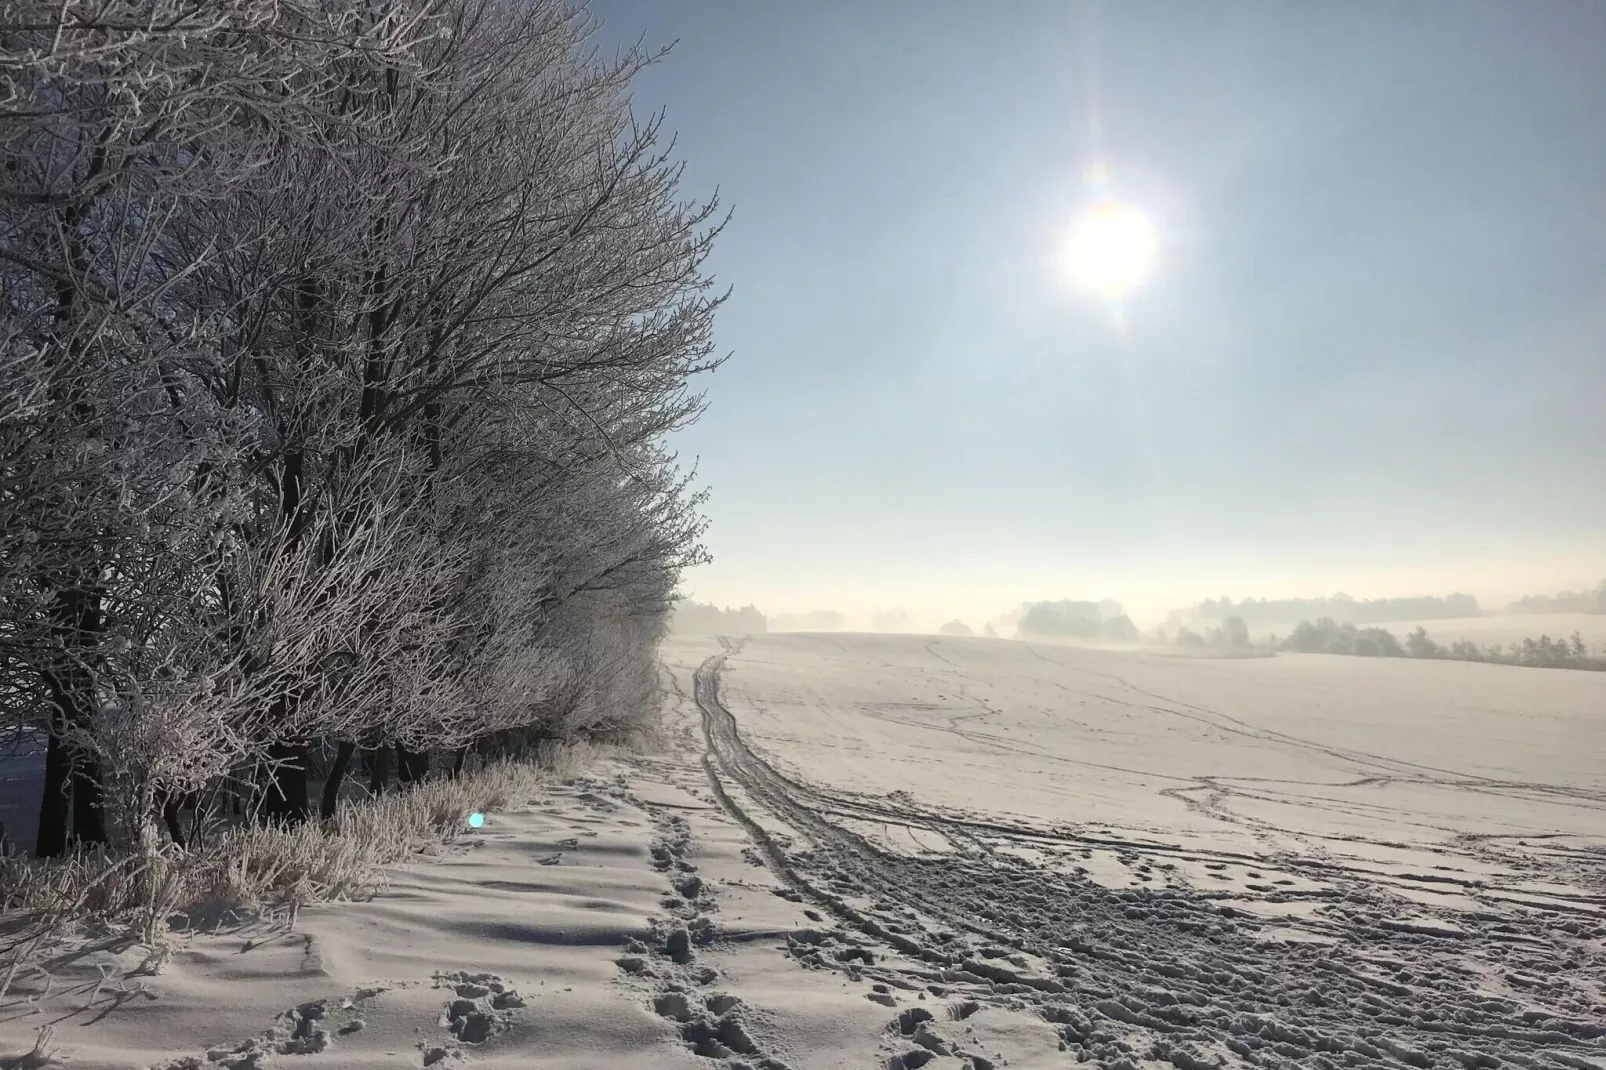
(481,1008)
(305,1029)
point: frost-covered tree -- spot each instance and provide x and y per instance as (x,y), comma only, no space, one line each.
(340,343)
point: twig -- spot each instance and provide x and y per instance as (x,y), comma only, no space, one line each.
(105,971)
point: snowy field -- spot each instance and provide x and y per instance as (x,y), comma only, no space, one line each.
(885,852)
(1361,762)
(1299,860)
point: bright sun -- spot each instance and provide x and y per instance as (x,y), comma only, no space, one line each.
(1111,250)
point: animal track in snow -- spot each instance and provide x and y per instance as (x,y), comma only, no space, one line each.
(481,1008)
(306,1029)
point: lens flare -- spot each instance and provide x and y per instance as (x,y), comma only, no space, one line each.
(475,820)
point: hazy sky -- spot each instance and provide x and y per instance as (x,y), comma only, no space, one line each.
(1372,356)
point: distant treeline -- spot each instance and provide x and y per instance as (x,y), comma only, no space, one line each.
(697,618)
(1262,614)
(1565,602)
(1230,634)
(818,620)
(1328,636)
(1072,619)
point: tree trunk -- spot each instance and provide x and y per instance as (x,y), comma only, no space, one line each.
(285,794)
(412,765)
(88,811)
(459,761)
(170,815)
(337,776)
(78,625)
(53,802)
(378,770)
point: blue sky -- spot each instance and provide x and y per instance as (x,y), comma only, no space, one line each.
(1372,356)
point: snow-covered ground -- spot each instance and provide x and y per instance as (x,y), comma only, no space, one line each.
(900,851)
(1294,756)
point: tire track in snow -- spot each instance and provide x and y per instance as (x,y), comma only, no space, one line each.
(1171,976)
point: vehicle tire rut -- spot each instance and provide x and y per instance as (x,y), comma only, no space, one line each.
(1168,975)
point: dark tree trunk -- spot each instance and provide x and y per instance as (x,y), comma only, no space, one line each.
(285,795)
(459,761)
(170,815)
(378,770)
(216,801)
(337,776)
(79,621)
(88,811)
(412,765)
(53,808)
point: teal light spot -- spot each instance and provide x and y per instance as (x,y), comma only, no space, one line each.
(475,820)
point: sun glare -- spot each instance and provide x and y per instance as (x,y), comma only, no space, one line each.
(1111,250)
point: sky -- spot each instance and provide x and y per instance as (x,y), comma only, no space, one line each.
(1371,356)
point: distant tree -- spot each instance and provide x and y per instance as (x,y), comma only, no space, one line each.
(1325,636)
(989,631)
(891,620)
(1589,601)
(1420,646)
(1187,637)
(1064,619)
(696,618)
(1119,629)
(955,627)
(1548,653)
(1234,632)
(1383,640)
(1328,636)
(1266,614)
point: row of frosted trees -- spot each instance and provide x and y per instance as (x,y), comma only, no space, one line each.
(339,341)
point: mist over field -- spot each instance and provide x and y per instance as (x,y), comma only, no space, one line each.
(1453,617)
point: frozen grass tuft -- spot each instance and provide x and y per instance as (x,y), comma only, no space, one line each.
(147,893)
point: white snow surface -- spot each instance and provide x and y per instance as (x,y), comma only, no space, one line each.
(1449,766)
(899,851)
